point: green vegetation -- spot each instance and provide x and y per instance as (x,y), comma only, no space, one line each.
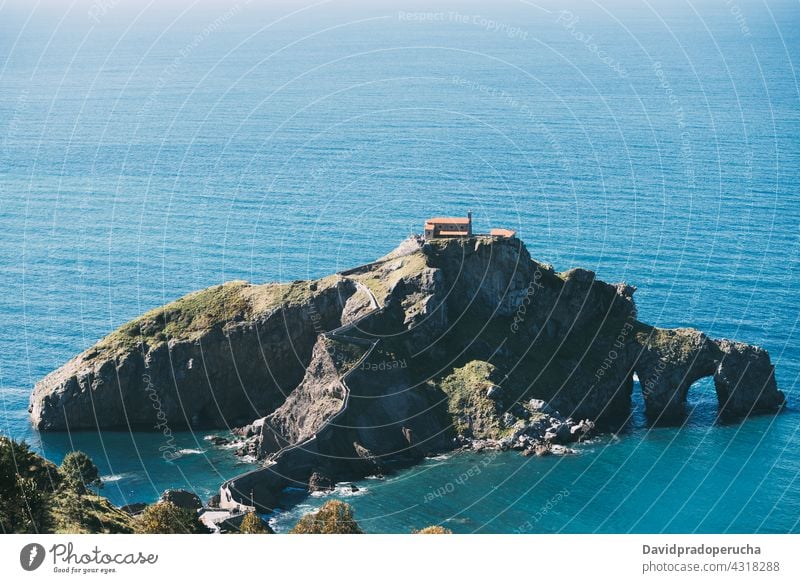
(74,509)
(344,354)
(72,513)
(433,530)
(252,524)
(382,278)
(183,318)
(78,472)
(188,317)
(334,517)
(27,482)
(166,518)
(681,344)
(473,413)
(37,497)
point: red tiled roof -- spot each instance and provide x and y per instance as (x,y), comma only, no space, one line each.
(502,233)
(449,221)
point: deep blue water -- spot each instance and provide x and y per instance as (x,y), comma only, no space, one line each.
(148,152)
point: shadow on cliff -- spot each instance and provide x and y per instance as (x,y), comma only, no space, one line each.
(442,344)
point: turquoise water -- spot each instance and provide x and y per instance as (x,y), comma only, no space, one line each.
(703,478)
(146,153)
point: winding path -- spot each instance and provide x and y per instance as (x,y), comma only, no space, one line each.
(230,496)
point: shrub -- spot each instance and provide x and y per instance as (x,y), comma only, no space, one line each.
(35,496)
(334,517)
(74,513)
(26,482)
(78,471)
(434,530)
(252,524)
(166,518)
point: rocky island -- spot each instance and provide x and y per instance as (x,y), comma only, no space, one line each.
(444,343)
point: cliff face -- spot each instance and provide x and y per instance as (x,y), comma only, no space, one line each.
(218,357)
(437,345)
(479,345)
(318,397)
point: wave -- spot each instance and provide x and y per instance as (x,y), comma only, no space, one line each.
(189,451)
(232,445)
(116,477)
(284,520)
(344,490)
(440,457)
(459,520)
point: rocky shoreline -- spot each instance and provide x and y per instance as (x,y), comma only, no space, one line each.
(440,345)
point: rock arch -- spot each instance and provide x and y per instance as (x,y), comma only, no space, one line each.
(668,362)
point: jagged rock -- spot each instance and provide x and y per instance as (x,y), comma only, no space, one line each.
(357,305)
(363,452)
(670,361)
(317,398)
(745,380)
(559,432)
(249,430)
(582,430)
(494,392)
(538,449)
(320,483)
(182,499)
(519,411)
(540,406)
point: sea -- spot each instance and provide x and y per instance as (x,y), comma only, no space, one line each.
(151,149)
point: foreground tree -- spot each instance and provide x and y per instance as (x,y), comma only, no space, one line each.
(436,529)
(26,484)
(166,518)
(34,499)
(334,517)
(252,524)
(79,472)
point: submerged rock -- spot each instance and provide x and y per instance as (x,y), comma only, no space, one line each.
(217,440)
(320,483)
